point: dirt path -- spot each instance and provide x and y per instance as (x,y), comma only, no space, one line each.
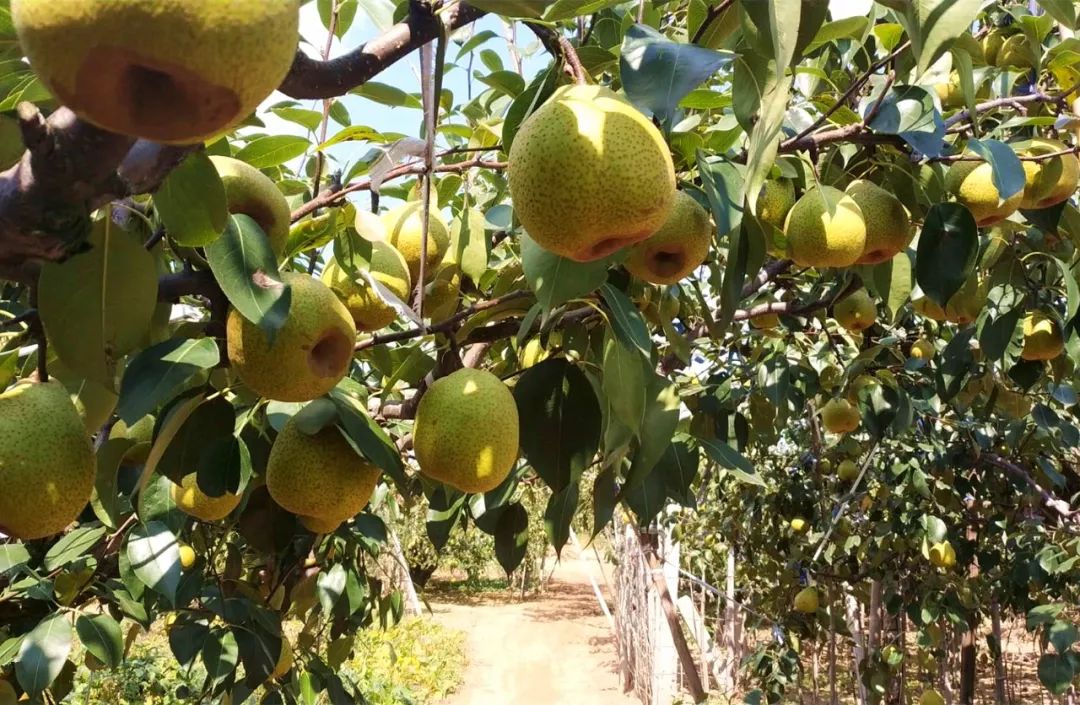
(555,649)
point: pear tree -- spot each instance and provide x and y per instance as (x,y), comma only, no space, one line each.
(795,280)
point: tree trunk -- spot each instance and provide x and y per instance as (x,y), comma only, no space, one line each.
(834,696)
(731,627)
(874,622)
(686,658)
(969,646)
(999,657)
(858,651)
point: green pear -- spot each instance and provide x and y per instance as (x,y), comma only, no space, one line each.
(250,192)
(309,355)
(173,71)
(47,463)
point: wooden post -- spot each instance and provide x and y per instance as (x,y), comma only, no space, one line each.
(731,626)
(969,645)
(858,651)
(686,658)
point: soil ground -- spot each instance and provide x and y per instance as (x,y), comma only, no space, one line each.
(555,648)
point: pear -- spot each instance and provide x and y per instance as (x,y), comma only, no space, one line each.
(963,307)
(807,601)
(187,557)
(1016,52)
(972,183)
(825,228)
(466,431)
(943,555)
(952,95)
(443,294)
(857,312)
(1042,336)
(404,230)
(47,464)
(309,355)
(774,202)
(922,349)
(848,470)
(141,432)
(800,525)
(368,309)
(250,192)
(319,476)
(840,416)
(888,226)
(677,248)
(191,500)
(1050,181)
(173,71)
(589,174)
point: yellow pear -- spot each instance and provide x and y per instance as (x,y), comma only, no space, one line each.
(47,464)
(589,174)
(774,202)
(991,46)
(765,322)
(963,307)
(368,309)
(309,355)
(443,294)
(951,93)
(840,416)
(806,601)
(1042,336)
(972,183)
(190,499)
(800,525)
(319,477)
(187,556)
(466,431)
(931,697)
(888,226)
(848,470)
(857,312)
(825,228)
(923,349)
(1050,181)
(1016,52)
(404,230)
(943,555)
(174,71)
(677,248)
(250,192)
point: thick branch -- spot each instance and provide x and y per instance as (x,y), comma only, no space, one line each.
(1058,506)
(310,78)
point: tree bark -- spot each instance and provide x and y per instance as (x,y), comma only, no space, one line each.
(999,657)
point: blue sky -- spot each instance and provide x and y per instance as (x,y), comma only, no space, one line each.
(404,75)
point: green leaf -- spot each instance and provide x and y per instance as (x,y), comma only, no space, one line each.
(624,383)
(155,557)
(538,91)
(746,254)
(246,269)
(998,332)
(72,546)
(480,37)
(1063,635)
(948,250)
(557,405)
(679,467)
(185,452)
(274,150)
(100,634)
(1008,170)
(1043,615)
(559,513)
(13,555)
(555,279)
(892,280)
(1056,672)
(191,202)
(932,25)
(935,528)
(315,416)
(646,498)
(723,184)
(97,306)
(43,653)
(657,73)
(220,655)
(910,113)
(764,136)
(105,500)
(735,462)
(565,9)
(1063,11)
(330,586)
(507,82)
(369,438)
(604,500)
(661,419)
(777,24)
(626,321)
(512,537)
(156,374)
(387,95)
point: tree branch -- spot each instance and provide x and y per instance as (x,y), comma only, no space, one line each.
(312,79)
(1058,506)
